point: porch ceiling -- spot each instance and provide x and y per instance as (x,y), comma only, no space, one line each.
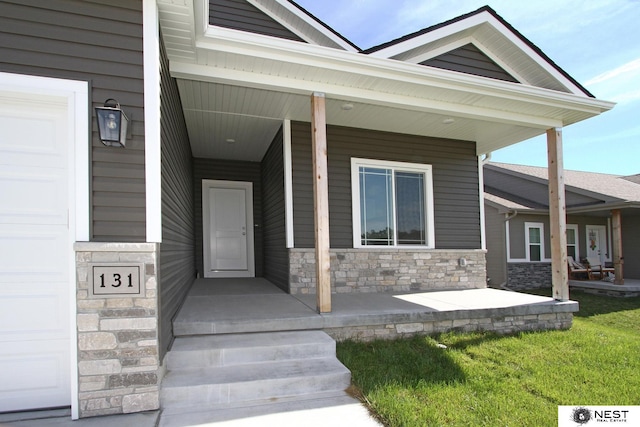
(240,86)
(239,123)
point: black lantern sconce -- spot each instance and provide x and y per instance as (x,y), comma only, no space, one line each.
(112,123)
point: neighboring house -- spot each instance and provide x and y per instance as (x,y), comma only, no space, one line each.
(517,222)
(216,179)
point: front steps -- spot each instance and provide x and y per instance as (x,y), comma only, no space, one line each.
(213,377)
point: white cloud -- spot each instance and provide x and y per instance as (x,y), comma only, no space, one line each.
(620,84)
(624,70)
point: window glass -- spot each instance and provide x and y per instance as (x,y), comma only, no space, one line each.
(410,208)
(375,206)
(534,235)
(534,253)
(572,250)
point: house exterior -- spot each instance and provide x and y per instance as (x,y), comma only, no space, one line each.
(517,222)
(249,122)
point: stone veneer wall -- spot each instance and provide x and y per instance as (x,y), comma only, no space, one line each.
(499,324)
(118,366)
(528,275)
(390,270)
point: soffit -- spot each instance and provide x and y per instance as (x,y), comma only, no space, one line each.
(216,112)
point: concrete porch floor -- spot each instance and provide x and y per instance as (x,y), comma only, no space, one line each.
(216,306)
(631,287)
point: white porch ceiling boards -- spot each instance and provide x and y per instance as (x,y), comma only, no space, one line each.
(217,112)
(241,85)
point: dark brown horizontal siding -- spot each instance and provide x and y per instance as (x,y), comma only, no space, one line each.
(455,182)
(228,170)
(240,15)
(177,251)
(276,256)
(471,60)
(98,42)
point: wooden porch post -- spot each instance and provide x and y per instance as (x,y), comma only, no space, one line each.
(321,202)
(557,216)
(618,257)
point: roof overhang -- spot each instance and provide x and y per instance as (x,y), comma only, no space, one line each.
(237,85)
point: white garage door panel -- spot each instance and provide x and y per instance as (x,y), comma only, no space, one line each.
(49,207)
(35,294)
(46,377)
(33,131)
(32,252)
(20,314)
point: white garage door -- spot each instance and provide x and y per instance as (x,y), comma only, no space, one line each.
(34,252)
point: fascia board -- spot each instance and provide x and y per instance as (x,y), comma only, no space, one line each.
(466,24)
(549,68)
(545,182)
(604,207)
(302,87)
(242,43)
(303,17)
(431,36)
(589,193)
(498,206)
(455,44)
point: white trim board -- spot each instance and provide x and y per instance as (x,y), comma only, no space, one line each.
(152,150)
(426,169)
(288,182)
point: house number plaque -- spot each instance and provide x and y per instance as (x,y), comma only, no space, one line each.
(115,280)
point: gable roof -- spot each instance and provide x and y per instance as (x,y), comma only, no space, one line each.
(585,191)
(489,32)
(325,26)
(240,84)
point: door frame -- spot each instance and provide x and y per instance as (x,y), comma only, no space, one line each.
(206,228)
(76,94)
(602,236)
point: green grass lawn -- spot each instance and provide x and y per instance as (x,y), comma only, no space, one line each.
(482,379)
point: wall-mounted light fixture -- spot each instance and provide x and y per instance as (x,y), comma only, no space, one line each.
(112,123)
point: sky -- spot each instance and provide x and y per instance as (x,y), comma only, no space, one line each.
(596,41)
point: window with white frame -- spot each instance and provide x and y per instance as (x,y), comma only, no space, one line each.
(534,241)
(572,242)
(392,204)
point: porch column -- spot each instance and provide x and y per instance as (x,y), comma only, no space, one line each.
(321,202)
(618,258)
(557,216)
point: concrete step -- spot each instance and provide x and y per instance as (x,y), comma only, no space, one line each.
(307,408)
(213,373)
(236,349)
(254,383)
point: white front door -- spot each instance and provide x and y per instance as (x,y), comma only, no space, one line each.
(596,242)
(227,229)
(35,349)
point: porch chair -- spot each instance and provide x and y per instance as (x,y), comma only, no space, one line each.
(577,270)
(595,266)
